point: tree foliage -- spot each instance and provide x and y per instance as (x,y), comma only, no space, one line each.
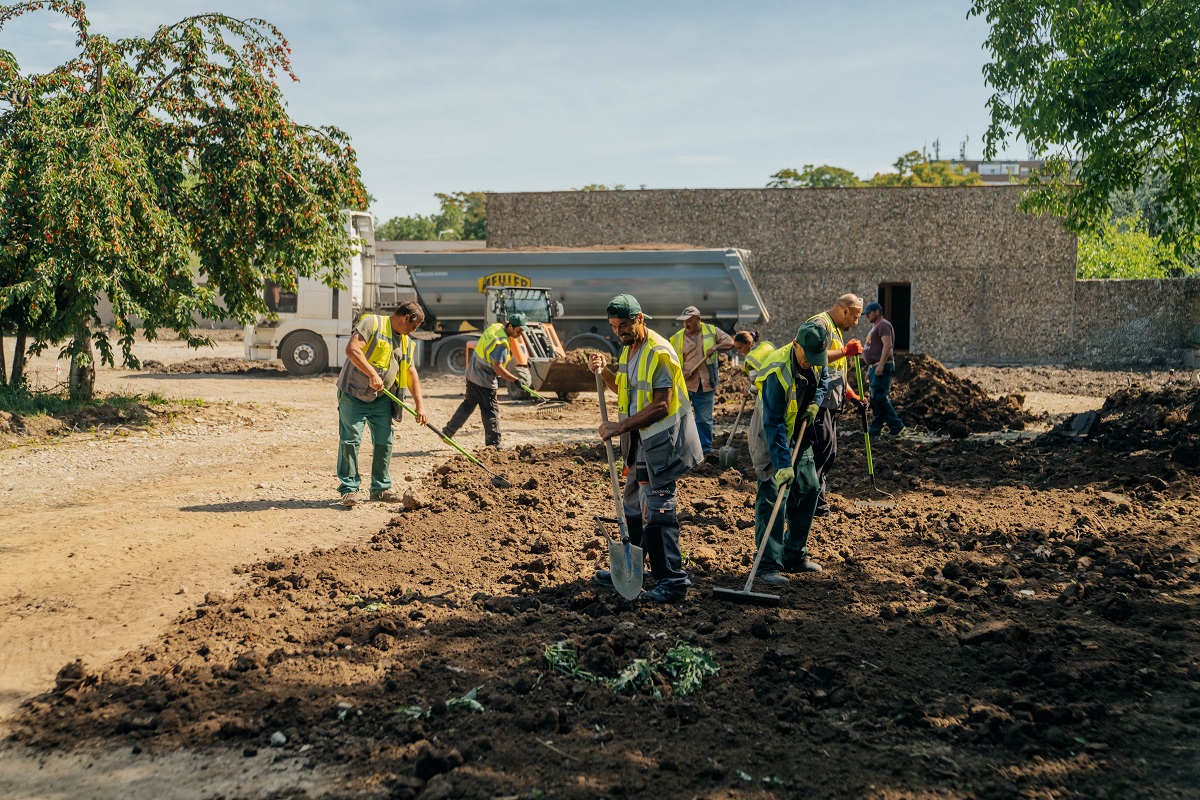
(810,177)
(1107,90)
(463,215)
(137,155)
(915,169)
(1125,248)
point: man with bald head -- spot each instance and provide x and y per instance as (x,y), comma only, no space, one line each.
(837,320)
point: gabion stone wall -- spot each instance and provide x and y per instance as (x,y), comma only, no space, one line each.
(989,283)
(1134,322)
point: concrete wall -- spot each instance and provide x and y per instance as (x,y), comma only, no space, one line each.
(1124,322)
(989,284)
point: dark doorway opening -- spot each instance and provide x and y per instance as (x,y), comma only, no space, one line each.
(896,299)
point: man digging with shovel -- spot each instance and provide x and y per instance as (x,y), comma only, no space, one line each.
(791,386)
(659,443)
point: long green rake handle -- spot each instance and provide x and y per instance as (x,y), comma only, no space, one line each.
(866,435)
(445,439)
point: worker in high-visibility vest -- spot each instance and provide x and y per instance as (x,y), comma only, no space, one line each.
(697,345)
(379,355)
(792,382)
(658,443)
(483,367)
(837,320)
(753,351)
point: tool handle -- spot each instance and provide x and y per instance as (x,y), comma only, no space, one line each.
(529,390)
(866,433)
(445,439)
(736,420)
(780,499)
(612,463)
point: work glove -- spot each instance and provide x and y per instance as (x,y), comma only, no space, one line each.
(852,348)
(852,395)
(782,477)
(810,414)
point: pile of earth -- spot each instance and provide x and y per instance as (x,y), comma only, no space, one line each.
(106,413)
(997,626)
(216,366)
(927,394)
(1165,421)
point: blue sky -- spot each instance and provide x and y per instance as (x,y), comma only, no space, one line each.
(541,95)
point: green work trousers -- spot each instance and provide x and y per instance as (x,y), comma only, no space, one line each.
(352,413)
(788,543)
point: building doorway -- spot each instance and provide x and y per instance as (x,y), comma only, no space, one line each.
(896,299)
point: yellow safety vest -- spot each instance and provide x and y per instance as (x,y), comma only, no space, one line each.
(492,337)
(381,346)
(708,341)
(756,357)
(778,366)
(656,355)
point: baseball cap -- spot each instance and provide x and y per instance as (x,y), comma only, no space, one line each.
(813,338)
(688,313)
(517,320)
(625,306)
(872,307)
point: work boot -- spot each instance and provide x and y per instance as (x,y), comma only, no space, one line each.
(801,566)
(603,577)
(663,594)
(386,496)
(773,578)
(350,499)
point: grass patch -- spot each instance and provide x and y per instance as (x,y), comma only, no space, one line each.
(36,414)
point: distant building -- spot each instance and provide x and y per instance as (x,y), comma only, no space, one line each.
(999,173)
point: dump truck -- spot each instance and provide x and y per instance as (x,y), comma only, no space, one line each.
(570,288)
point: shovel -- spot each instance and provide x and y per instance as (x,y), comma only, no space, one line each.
(862,410)
(625,562)
(746,593)
(728,454)
(497,481)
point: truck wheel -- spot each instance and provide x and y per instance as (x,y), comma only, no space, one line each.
(591,341)
(452,356)
(304,353)
(514,391)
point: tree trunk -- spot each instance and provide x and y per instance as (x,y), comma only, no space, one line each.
(3,366)
(18,362)
(83,366)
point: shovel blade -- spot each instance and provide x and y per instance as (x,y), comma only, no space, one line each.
(627,563)
(728,456)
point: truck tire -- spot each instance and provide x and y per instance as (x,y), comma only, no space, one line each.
(452,355)
(304,353)
(592,341)
(514,391)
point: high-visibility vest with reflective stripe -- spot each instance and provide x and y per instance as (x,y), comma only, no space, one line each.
(835,342)
(778,366)
(756,356)
(493,336)
(708,341)
(657,354)
(381,346)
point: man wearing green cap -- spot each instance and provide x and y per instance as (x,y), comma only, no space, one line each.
(792,382)
(659,443)
(485,364)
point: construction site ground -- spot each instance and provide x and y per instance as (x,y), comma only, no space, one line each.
(186,613)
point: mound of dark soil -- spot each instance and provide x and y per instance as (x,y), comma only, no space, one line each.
(974,633)
(925,393)
(1165,420)
(216,366)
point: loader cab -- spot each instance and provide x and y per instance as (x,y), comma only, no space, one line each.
(540,340)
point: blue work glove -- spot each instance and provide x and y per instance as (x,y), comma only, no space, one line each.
(783,477)
(810,414)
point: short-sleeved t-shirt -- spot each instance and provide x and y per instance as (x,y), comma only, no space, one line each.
(482,374)
(874,347)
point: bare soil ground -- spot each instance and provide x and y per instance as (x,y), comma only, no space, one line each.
(1011,619)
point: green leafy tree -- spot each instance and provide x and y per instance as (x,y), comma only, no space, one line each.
(915,169)
(1125,248)
(810,177)
(135,156)
(1107,91)
(463,215)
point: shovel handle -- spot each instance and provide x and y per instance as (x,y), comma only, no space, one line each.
(780,499)
(866,434)
(612,463)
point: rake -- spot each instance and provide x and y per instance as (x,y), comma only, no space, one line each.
(497,481)
(862,410)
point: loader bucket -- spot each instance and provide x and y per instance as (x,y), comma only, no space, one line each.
(562,376)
